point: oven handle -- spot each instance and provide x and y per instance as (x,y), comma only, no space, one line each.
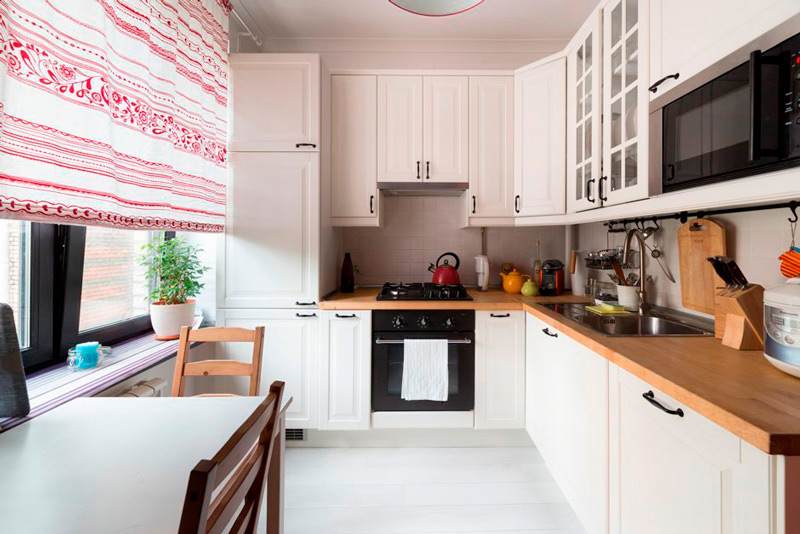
(380,341)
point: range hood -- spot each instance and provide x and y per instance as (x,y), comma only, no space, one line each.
(419,189)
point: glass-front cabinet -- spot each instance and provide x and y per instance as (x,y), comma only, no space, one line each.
(584,115)
(625,103)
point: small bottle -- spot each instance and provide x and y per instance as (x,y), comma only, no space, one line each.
(348,281)
(537,265)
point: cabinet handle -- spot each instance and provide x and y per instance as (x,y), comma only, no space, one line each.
(589,183)
(601,189)
(500,315)
(670,172)
(516,204)
(312,303)
(305,315)
(427,170)
(418,168)
(299,145)
(651,398)
(474,204)
(351,316)
(371,200)
(654,87)
(549,333)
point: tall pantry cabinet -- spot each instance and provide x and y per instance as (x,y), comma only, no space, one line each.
(268,268)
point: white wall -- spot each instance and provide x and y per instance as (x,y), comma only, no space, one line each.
(754,240)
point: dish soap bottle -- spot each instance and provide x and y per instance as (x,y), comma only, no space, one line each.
(537,265)
(348,282)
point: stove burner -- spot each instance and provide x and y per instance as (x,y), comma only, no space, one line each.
(403,291)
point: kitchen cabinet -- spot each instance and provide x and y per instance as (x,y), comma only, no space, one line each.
(491,148)
(625,104)
(269,254)
(567,404)
(539,138)
(400,128)
(354,167)
(291,354)
(499,369)
(672,470)
(274,102)
(445,129)
(584,115)
(345,370)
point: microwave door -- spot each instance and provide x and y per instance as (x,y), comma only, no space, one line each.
(770,100)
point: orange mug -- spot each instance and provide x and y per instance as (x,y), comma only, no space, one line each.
(790,262)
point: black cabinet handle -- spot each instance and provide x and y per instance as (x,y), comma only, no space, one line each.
(427,170)
(601,189)
(549,333)
(371,200)
(670,172)
(651,398)
(312,303)
(312,145)
(305,315)
(500,315)
(351,316)
(516,203)
(474,204)
(589,183)
(654,87)
(418,175)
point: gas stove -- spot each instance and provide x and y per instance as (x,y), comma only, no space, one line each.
(403,291)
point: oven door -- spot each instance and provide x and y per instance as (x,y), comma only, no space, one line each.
(387,372)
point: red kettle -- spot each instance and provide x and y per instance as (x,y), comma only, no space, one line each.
(444,273)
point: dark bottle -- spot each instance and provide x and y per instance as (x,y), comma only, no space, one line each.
(348,282)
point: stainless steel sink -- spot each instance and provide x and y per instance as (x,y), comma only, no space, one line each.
(647,325)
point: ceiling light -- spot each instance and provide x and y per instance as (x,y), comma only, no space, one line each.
(436,8)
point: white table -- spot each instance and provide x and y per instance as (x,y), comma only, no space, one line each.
(108,465)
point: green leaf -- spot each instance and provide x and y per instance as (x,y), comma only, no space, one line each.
(173,270)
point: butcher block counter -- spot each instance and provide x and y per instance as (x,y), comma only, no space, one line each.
(738,390)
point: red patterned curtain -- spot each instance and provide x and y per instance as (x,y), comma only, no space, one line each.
(114,112)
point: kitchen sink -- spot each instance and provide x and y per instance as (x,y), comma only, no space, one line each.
(647,325)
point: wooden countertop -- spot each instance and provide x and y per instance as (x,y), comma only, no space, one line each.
(738,390)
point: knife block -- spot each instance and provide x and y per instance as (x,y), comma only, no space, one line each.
(739,318)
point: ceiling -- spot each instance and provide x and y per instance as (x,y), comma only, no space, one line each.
(379,19)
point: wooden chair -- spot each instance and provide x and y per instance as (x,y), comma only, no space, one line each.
(228,490)
(218,367)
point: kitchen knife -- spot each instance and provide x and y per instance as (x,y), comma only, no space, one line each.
(721,271)
(739,278)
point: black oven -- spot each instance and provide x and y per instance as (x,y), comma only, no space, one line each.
(745,122)
(391,328)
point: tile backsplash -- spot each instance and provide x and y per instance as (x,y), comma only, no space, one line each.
(418,230)
(754,240)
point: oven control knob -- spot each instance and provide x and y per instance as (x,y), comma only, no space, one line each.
(424,322)
(398,321)
(448,322)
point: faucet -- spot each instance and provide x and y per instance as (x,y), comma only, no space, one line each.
(643,305)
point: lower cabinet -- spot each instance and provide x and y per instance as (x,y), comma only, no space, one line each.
(345,370)
(567,418)
(499,369)
(291,354)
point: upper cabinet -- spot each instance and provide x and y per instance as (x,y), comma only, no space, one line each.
(422,128)
(491,148)
(625,110)
(354,168)
(584,115)
(274,102)
(539,139)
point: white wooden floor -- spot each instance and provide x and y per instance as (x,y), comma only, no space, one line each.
(423,491)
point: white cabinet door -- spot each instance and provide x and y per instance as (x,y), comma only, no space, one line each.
(584,115)
(345,378)
(354,168)
(399,128)
(539,139)
(291,354)
(445,128)
(625,103)
(269,253)
(538,382)
(491,146)
(274,102)
(679,472)
(499,369)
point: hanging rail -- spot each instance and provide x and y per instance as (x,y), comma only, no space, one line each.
(684,216)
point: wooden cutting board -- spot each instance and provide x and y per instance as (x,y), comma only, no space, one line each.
(697,240)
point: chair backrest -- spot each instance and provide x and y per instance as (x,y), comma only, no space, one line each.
(218,367)
(235,477)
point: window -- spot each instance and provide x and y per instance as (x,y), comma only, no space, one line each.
(15,287)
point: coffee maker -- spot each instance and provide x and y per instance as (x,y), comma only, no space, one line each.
(551,279)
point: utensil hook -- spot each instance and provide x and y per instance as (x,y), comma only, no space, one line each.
(793,207)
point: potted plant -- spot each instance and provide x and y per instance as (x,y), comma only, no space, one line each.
(173,273)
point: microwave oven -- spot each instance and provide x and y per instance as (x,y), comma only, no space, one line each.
(744,122)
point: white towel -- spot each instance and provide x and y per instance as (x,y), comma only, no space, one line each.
(425,370)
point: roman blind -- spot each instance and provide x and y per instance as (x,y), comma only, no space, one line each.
(114,112)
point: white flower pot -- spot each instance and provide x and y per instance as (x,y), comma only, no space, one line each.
(168,319)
